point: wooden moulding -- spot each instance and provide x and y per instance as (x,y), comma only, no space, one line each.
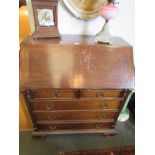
(105,132)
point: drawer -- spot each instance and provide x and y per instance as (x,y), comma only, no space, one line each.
(74,115)
(100,93)
(75,105)
(54,94)
(71,126)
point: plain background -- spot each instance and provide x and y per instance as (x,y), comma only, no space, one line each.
(145,77)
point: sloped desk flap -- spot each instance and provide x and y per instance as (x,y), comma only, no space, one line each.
(76,62)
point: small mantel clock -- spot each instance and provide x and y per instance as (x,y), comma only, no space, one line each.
(46,18)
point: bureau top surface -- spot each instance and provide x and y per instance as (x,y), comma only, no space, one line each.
(75,62)
(73,39)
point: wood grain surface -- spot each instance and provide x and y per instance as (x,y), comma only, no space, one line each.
(52,63)
(50,105)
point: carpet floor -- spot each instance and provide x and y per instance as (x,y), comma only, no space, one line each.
(52,145)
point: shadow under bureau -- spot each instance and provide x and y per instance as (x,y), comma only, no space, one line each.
(73,85)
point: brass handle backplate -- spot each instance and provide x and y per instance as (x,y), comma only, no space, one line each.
(99,126)
(101,117)
(103,105)
(52,127)
(49,106)
(50,118)
(99,95)
(55,95)
(58,95)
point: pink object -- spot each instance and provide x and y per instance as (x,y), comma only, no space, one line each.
(108,11)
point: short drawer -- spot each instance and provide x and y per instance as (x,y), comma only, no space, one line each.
(74,115)
(72,126)
(75,105)
(100,93)
(54,94)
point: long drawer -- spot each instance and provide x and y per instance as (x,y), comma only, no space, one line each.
(74,115)
(71,126)
(44,105)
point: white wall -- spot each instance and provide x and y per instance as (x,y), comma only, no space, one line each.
(122,26)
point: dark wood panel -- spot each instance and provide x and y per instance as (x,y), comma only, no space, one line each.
(74,115)
(44,105)
(74,126)
(67,66)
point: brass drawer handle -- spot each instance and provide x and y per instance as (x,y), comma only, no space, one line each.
(49,106)
(101,117)
(103,105)
(55,95)
(50,118)
(99,126)
(52,127)
(99,95)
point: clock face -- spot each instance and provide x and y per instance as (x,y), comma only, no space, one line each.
(45,17)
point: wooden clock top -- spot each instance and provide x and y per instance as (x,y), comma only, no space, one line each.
(75,62)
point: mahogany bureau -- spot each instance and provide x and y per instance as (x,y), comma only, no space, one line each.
(73,85)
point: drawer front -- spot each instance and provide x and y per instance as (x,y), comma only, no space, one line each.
(75,105)
(74,126)
(74,115)
(100,93)
(54,94)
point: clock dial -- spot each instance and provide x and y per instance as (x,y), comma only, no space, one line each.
(45,17)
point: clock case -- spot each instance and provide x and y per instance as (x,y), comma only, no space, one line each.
(45,31)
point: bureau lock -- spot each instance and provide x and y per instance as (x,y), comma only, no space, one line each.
(55,95)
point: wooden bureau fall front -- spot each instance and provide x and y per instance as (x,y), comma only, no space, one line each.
(73,85)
